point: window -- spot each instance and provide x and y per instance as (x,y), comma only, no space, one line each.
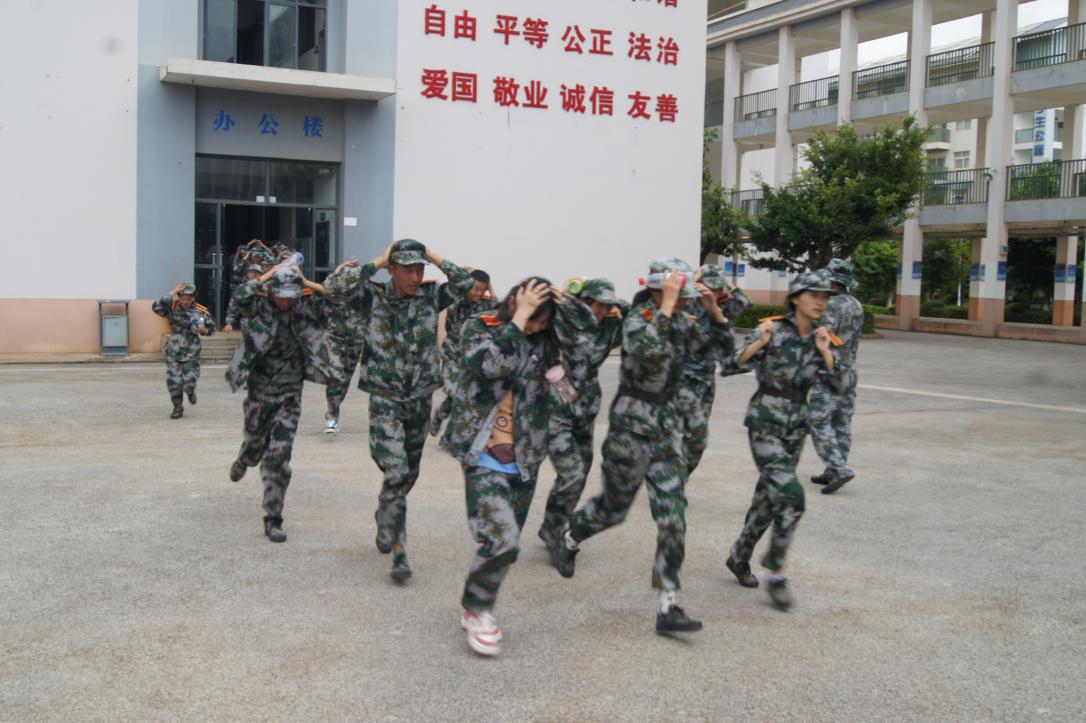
(280,34)
(937,162)
(961,159)
(963,125)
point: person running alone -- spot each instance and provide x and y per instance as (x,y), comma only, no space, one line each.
(789,354)
(188,322)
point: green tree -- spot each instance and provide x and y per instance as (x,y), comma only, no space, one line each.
(946,269)
(876,270)
(857,188)
(721,223)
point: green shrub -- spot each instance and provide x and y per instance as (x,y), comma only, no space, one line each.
(749,319)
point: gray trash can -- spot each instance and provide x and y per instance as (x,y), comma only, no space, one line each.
(113,326)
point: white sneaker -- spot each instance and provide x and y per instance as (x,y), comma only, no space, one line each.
(331,426)
(484,637)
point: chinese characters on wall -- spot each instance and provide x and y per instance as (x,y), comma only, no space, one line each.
(312,125)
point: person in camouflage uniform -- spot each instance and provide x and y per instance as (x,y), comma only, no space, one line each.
(572,426)
(644,439)
(400,369)
(698,387)
(479,299)
(233,317)
(344,325)
(188,322)
(283,345)
(789,354)
(498,430)
(831,411)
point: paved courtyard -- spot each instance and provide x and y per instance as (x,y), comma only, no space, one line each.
(946,582)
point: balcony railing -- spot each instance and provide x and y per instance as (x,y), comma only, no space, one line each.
(1023,135)
(1050,179)
(954,66)
(720,8)
(756,105)
(948,188)
(714,114)
(881,80)
(751,203)
(814,93)
(1050,47)
(939,135)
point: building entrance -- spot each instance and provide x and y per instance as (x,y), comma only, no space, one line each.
(239,199)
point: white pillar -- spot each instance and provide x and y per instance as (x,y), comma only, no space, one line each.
(784,160)
(981,154)
(730,155)
(1063,293)
(850,42)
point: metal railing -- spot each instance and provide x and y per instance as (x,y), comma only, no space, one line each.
(714,114)
(751,203)
(881,80)
(727,7)
(1023,135)
(756,105)
(954,66)
(939,135)
(1050,179)
(814,93)
(949,188)
(1050,47)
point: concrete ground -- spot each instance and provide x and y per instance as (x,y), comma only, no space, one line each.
(946,582)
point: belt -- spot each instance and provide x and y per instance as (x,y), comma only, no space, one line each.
(798,396)
(635,393)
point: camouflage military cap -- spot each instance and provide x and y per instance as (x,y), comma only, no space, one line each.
(286,283)
(187,290)
(600,290)
(279,248)
(840,270)
(261,255)
(713,276)
(408,251)
(251,268)
(810,281)
(663,265)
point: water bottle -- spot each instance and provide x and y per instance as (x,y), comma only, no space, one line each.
(656,281)
(295,259)
(575,286)
(561,385)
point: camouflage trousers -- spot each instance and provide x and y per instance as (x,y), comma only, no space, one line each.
(830,423)
(335,392)
(497,508)
(627,460)
(695,402)
(181,377)
(397,435)
(778,498)
(271,421)
(569,445)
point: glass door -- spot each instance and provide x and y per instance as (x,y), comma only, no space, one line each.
(208,257)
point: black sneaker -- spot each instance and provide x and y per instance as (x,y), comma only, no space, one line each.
(549,536)
(192,397)
(401,571)
(177,412)
(838,481)
(237,470)
(564,557)
(780,594)
(273,528)
(741,570)
(675,620)
(821,479)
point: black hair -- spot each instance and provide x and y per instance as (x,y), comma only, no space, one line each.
(480,275)
(642,296)
(546,308)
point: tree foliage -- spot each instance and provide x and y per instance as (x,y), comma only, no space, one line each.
(856,189)
(946,269)
(875,264)
(720,221)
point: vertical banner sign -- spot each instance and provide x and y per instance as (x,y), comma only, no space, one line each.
(1061,273)
(918,267)
(555,138)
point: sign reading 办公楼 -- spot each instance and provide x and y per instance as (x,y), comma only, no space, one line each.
(564,136)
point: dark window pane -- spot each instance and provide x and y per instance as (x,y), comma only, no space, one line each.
(205,233)
(303,183)
(229,179)
(311,34)
(219,30)
(281,36)
(250,48)
(205,288)
(324,239)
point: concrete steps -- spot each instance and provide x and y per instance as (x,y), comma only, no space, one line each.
(216,349)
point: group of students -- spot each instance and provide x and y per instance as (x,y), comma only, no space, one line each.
(521,378)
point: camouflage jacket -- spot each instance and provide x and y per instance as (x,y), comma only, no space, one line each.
(233,318)
(261,320)
(399,354)
(183,343)
(789,365)
(700,364)
(498,357)
(584,370)
(455,317)
(736,306)
(344,321)
(654,348)
(845,318)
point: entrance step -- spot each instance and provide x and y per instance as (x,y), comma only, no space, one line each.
(216,349)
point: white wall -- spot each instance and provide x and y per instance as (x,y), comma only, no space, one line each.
(68,144)
(520,191)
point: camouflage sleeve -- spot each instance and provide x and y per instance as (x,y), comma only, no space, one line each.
(852,327)
(574,325)
(834,377)
(232,316)
(752,337)
(453,290)
(736,305)
(490,354)
(721,341)
(612,326)
(349,282)
(647,339)
(246,296)
(163,306)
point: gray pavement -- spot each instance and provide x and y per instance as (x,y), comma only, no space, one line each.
(946,582)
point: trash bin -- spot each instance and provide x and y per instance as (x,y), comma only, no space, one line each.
(113,326)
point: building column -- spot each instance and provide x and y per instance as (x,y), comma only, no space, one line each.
(1063,295)
(784,158)
(850,42)
(988,292)
(730,156)
(912,244)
